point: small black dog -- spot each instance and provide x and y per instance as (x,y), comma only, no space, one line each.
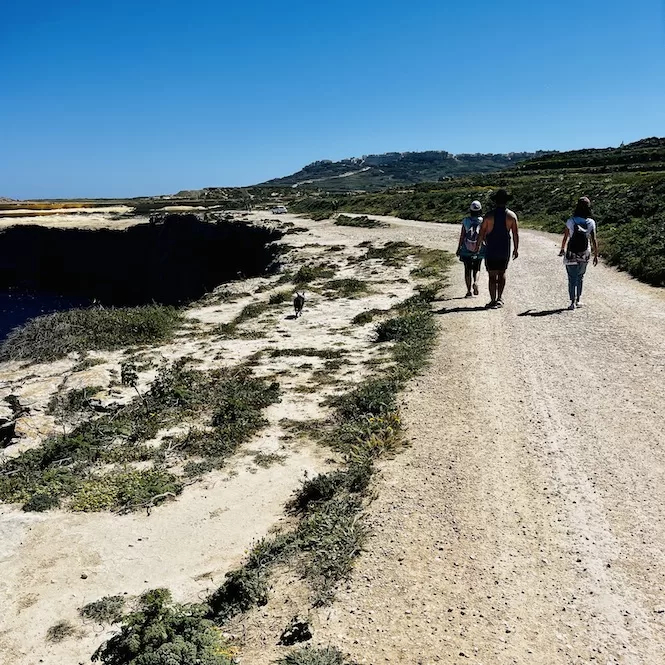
(299,303)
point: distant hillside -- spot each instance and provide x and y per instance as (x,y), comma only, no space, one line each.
(645,155)
(395,169)
(626,186)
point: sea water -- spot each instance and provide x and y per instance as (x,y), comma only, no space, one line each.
(17,306)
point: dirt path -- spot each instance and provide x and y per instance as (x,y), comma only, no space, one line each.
(527,522)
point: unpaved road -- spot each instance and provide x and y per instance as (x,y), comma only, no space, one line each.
(527,522)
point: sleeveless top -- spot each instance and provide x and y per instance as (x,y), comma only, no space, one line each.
(497,241)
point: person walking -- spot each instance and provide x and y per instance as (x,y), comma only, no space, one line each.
(497,227)
(468,251)
(580,228)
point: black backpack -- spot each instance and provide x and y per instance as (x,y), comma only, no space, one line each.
(579,241)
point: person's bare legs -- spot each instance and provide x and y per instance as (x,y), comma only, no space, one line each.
(501,284)
(467,278)
(493,285)
(476,270)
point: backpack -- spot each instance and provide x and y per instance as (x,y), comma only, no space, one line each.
(579,241)
(471,237)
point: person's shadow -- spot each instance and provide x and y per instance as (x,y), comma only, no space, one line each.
(456,310)
(543,312)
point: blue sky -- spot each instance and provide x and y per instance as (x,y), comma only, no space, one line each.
(127,98)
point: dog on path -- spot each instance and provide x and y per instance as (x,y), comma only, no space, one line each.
(298,303)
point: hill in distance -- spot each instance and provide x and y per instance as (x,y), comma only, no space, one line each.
(396,169)
(644,155)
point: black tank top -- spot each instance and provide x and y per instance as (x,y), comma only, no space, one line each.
(497,241)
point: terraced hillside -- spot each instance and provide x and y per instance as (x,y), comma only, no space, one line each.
(626,185)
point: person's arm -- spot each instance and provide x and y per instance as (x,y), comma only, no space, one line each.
(482,233)
(461,241)
(566,235)
(594,245)
(516,237)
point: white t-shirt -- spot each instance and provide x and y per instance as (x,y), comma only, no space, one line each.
(581,222)
(590,225)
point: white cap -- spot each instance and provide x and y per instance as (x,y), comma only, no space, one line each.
(475,206)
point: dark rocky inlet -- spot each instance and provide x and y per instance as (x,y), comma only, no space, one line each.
(171,261)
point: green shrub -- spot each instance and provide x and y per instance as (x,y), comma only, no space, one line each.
(161,632)
(393,253)
(372,397)
(280,297)
(362,222)
(60,631)
(314,656)
(345,288)
(251,311)
(308,351)
(41,501)
(53,336)
(324,486)
(125,489)
(106,610)
(309,273)
(366,317)
(243,589)
(72,402)
(331,536)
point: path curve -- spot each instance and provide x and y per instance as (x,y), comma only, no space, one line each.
(527,522)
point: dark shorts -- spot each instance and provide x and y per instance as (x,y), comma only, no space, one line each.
(498,265)
(471,263)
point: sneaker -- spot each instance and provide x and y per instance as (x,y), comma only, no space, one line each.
(499,304)
(491,304)
(571,306)
(475,289)
(579,304)
(468,295)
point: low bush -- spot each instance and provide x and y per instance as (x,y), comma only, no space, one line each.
(53,336)
(126,489)
(41,501)
(243,589)
(367,317)
(315,656)
(280,297)
(362,222)
(60,631)
(309,273)
(345,288)
(161,632)
(106,610)
(72,402)
(308,351)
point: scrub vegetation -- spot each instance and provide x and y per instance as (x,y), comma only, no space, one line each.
(53,336)
(92,467)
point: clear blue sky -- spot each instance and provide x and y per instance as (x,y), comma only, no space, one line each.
(136,97)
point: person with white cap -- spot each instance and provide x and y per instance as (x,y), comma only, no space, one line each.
(468,250)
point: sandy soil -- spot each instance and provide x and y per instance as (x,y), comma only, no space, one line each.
(527,522)
(53,563)
(525,525)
